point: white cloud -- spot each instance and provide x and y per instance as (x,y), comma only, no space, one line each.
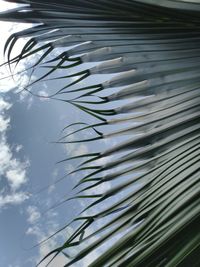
(75,149)
(80,150)
(16,177)
(33,214)
(44,95)
(26,98)
(70,148)
(4,124)
(59,261)
(12,170)
(13,198)
(42,231)
(18,148)
(4,105)
(12,81)
(17,81)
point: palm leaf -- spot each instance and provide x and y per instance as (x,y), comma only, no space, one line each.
(151,48)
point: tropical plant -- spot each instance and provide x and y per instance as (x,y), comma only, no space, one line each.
(152,100)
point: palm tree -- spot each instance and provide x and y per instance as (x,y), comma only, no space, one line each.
(152,48)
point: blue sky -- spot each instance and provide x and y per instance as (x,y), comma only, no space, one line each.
(28,127)
(28,159)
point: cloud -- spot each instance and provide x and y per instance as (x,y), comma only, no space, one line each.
(59,261)
(4,105)
(18,148)
(42,231)
(16,80)
(33,214)
(4,124)
(75,149)
(80,150)
(14,198)
(16,177)
(12,170)
(44,95)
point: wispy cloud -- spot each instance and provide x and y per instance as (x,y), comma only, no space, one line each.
(40,232)
(15,198)
(12,170)
(33,214)
(18,148)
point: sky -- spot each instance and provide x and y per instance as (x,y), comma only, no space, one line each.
(29,127)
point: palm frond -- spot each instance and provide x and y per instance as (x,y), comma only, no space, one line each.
(151,50)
